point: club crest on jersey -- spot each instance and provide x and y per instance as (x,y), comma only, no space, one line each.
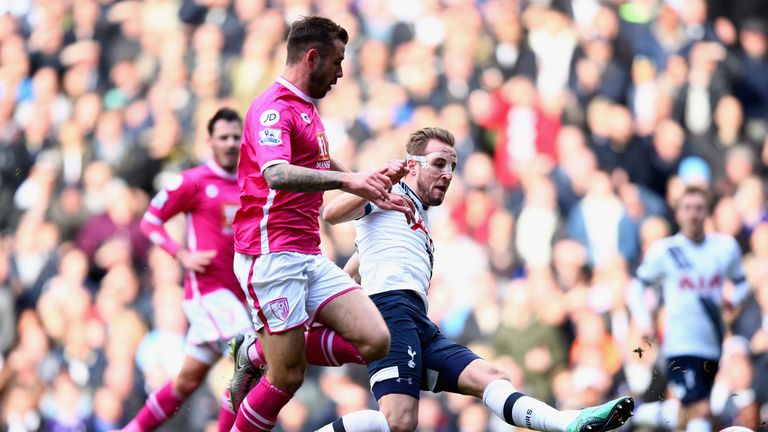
(323,157)
(270,137)
(280,308)
(305,117)
(211,191)
(269,117)
(228,211)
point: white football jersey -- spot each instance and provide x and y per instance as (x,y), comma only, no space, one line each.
(393,254)
(692,276)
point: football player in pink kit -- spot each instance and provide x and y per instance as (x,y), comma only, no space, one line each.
(284,169)
(213,302)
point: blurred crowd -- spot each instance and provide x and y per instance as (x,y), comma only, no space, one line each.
(577,123)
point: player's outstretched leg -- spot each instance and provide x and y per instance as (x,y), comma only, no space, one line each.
(524,411)
(482,379)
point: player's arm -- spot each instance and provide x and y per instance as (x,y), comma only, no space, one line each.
(648,274)
(271,138)
(637,306)
(175,199)
(368,186)
(352,267)
(395,169)
(292,178)
(735,273)
(345,207)
(162,208)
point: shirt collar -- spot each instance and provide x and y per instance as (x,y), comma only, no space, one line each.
(287,84)
(415,198)
(221,172)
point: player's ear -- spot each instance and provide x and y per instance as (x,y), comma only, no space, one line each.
(312,56)
(411,165)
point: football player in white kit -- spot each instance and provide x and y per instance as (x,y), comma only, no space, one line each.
(691,267)
(395,267)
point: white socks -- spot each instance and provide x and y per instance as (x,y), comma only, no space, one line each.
(524,411)
(500,397)
(358,421)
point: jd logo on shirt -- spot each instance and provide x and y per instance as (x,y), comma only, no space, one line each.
(269,117)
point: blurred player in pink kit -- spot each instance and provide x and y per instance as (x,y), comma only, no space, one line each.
(208,195)
(284,169)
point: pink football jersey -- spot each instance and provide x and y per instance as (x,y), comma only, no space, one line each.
(281,126)
(208,196)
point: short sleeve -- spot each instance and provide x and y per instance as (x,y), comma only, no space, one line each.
(270,134)
(735,269)
(651,270)
(179,196)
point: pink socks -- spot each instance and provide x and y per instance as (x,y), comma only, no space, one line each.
(159,406)
(259,410)
(324,347)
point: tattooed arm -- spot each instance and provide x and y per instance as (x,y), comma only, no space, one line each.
(294,178)
(370,186)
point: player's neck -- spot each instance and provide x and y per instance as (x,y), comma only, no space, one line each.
(415,192)
(217,167)
(297,76)
(695,237)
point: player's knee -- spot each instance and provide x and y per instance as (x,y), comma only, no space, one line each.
(287,379)
(186,384)
(699,409)
(376,344)
(495,373)
(402,422)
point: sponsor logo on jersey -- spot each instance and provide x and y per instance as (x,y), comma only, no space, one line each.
(323,157)
(269,117)
(702,283)
(270,137)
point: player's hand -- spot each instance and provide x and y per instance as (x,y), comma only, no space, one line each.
(196,261)
(396,170)
(371,186)
(759,342)
(730,311)
(400,203)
